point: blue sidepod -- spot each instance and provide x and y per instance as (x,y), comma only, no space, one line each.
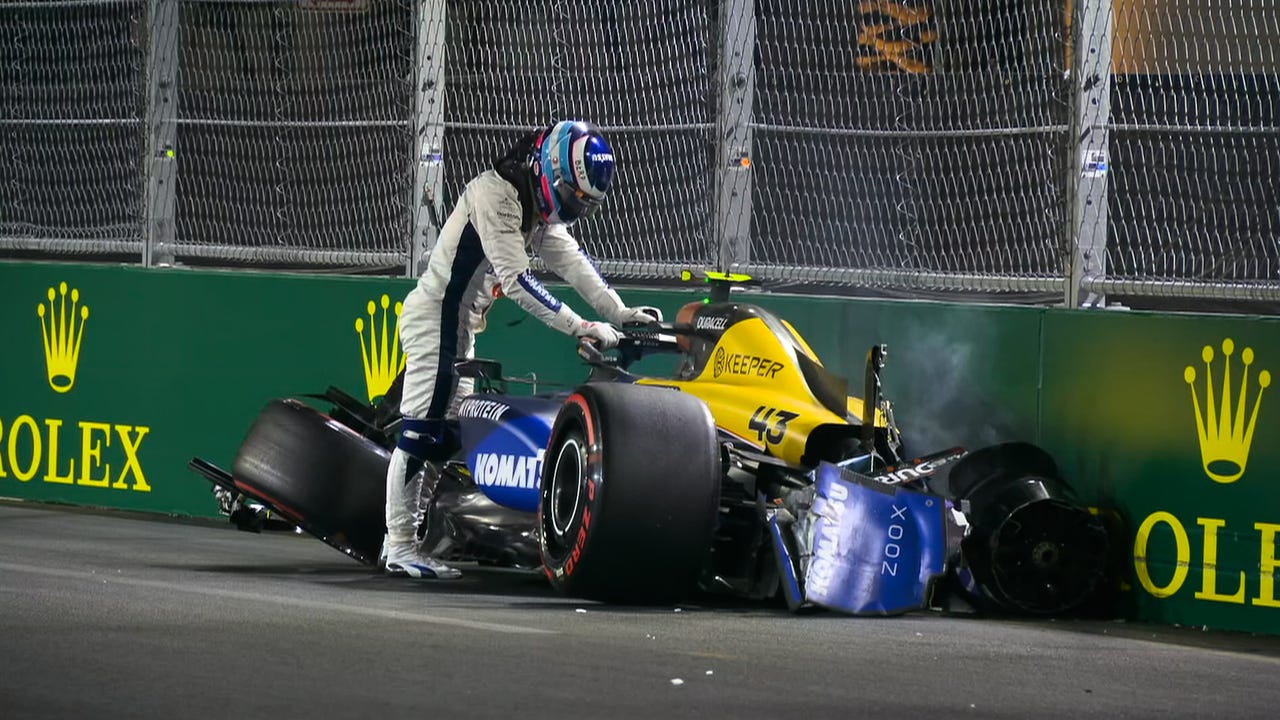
(504,439)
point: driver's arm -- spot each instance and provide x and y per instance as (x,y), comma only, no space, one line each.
(567,259)
(496,213)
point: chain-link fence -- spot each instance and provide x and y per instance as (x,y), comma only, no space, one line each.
(642,71)
(294,130)
(1190,124)
(72,103)
(1066,150)
(910,143)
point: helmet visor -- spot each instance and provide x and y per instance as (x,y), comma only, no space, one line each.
(574,203)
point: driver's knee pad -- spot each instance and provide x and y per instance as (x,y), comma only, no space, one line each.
(432,440)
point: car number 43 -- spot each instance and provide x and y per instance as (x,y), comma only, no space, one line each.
(770,424)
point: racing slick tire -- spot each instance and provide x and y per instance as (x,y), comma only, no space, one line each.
(318,473)
(630,494)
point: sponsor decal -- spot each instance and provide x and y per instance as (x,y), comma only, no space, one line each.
(380,350)
(893,540)
(907,474)
(30,444)
(1225,422)
(505,452)
(62,331)
(744,365)
(826,544)
(482,409)
(578,152)
(711,322)
(1166,522)
(580,540)
(510,214)
(87,453)
(920,468)
(1225,435)
(508,470)
(534,287)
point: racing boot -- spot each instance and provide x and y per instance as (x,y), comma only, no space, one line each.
(404,510)
(408,560)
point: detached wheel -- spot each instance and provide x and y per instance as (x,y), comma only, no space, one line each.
(1032,548)
(320,474)
(630,494)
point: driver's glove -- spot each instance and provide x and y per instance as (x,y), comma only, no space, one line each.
(604,334)
(644,314)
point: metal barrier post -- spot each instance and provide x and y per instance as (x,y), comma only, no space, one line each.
(733,137)
(428,138)
(1091,74)
(161,165)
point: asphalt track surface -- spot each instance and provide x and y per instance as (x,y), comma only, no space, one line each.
(108,615)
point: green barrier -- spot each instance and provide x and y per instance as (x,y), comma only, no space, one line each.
(115,377)
(112,384)
(1167,420)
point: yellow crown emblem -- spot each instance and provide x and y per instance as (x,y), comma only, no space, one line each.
(62,336)
(1224,436)
(380,350)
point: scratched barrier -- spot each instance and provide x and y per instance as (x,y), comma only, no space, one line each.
(114,377)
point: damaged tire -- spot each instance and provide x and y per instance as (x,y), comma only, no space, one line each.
(318,473)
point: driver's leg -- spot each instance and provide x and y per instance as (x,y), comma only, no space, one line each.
(429,335)
(475,311)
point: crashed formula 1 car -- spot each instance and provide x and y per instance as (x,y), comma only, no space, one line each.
(748,470)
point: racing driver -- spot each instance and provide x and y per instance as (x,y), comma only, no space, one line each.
(524,204)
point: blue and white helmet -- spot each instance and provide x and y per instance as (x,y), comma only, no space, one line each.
(572,168)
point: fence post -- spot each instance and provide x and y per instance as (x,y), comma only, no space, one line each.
(733,133)
(161,164)
(1090,164)
(428,137)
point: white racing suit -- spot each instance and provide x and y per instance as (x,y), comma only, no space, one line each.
(481,254)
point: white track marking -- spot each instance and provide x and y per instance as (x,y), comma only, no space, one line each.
(273,599)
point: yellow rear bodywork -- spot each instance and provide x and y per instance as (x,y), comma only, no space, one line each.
(757,391)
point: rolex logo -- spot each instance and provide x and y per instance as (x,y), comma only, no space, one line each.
(1225,437)
(63,329)
(380,349)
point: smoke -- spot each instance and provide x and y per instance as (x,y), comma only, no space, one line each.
(945,382)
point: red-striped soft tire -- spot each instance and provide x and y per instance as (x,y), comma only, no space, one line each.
(630,494)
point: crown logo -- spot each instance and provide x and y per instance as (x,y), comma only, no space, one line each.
(380,350)
(62,336)
(1224,436)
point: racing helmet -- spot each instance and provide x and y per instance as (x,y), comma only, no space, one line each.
(572,166)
